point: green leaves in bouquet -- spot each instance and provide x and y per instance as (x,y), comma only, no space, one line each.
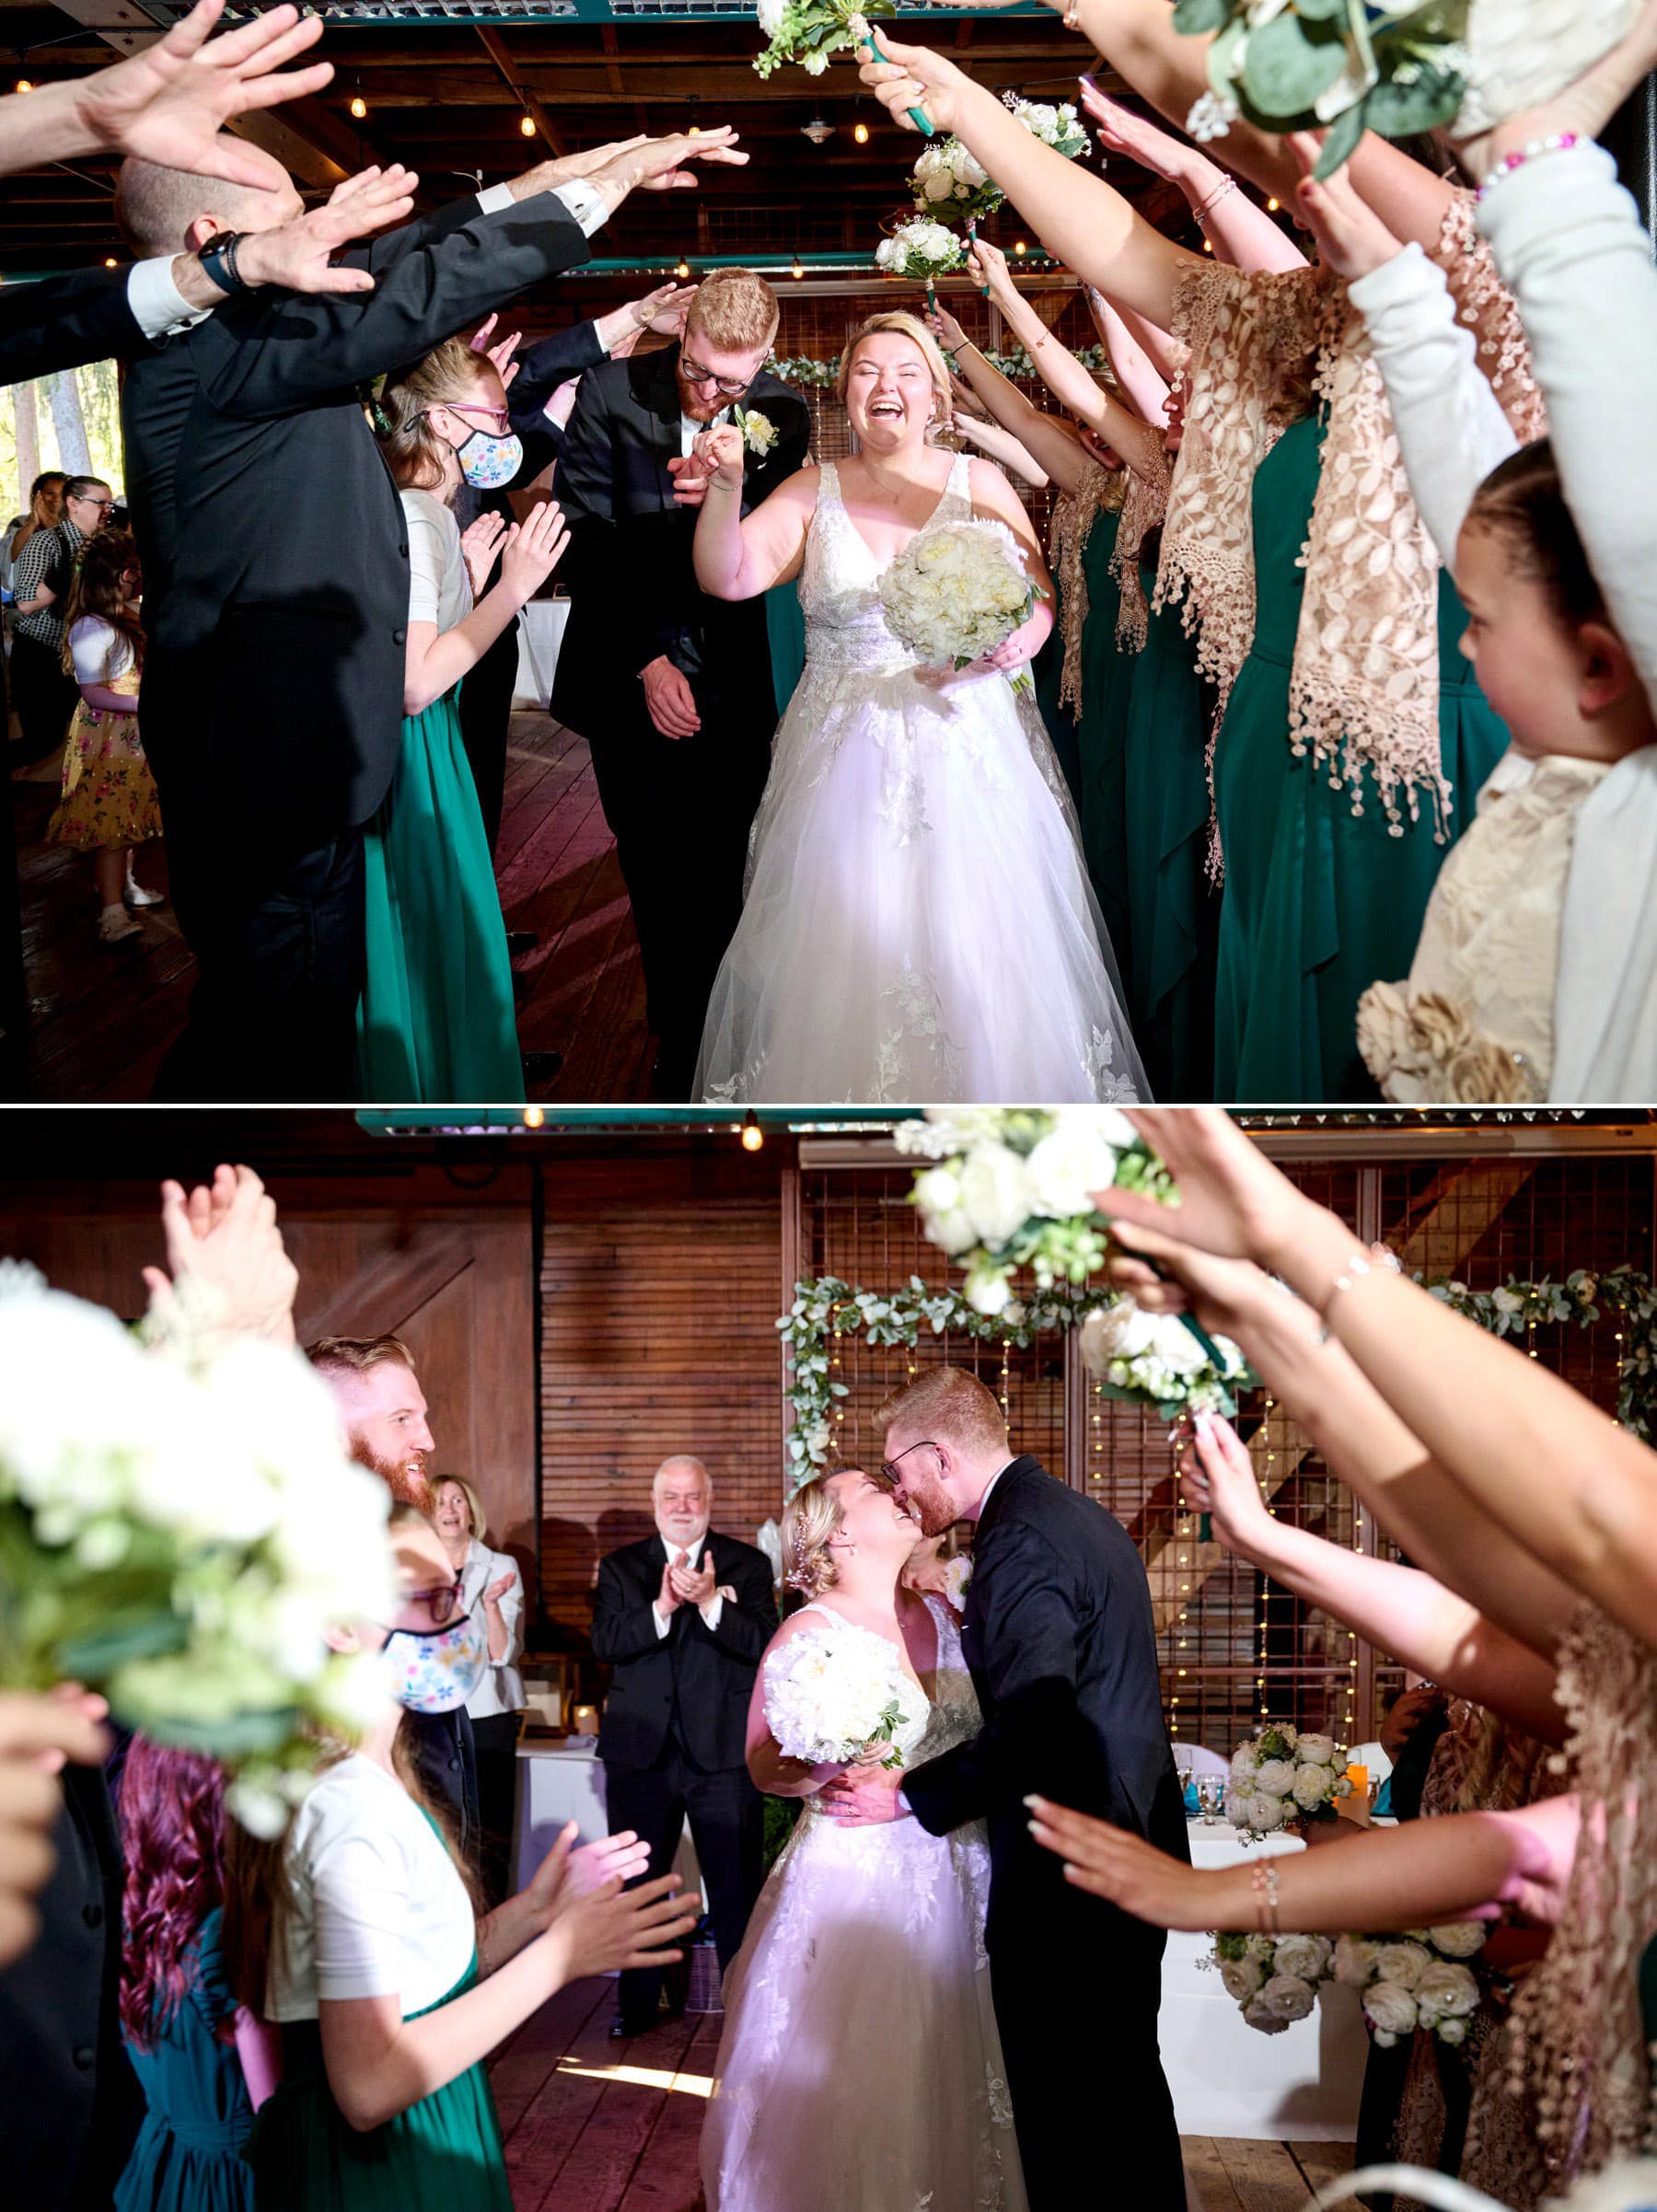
(810,27)
(1196,18)
(891,1721)
(1169,1409)
(1288,65)
(63,1619)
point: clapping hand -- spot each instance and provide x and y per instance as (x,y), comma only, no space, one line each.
(497,1590)
(479,542)
(168,102)
(615,1929)
(533,551)
(567,1874)
(694,1585)
(501,352)
(222,1240)
(299,255)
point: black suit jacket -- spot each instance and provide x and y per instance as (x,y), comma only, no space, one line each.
(1062,1643)
(707,1672)
(541,370)
(63,322)
(628,567)
(273,686)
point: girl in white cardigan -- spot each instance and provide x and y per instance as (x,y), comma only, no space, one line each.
(1516,985)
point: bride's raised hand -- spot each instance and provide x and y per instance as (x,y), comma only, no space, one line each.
(1230,1198)
(914,77)
(719,453)
(1123,1868)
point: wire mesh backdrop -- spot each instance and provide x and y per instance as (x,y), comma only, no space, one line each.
(818,321)
(1234,1644)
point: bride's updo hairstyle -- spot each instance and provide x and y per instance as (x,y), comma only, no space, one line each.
(810,1519)
(907,326)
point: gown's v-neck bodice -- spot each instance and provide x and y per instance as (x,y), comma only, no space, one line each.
(839,584)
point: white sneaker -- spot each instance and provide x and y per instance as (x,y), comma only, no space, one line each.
(115,923)
(136,896)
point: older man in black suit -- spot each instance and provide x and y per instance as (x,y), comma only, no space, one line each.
(672,689)
(1062,1643)
(277,588)
(683,1618)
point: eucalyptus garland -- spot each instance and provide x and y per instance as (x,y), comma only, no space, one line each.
(826,1307)
(801,369)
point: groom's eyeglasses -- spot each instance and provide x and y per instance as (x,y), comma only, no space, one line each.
(888,1468)
(732,388)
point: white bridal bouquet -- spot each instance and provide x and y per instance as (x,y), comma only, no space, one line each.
(833,1690)
(956,592)
(946,175)
(921,250)
(1280,1777)
(179,1534)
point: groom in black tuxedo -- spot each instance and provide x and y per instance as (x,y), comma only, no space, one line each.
(672,690)
(683,1618)
(1062,1643)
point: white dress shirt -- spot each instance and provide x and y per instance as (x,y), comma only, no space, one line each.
(715,1604)
(502,1688)
(691,430)
(160,309)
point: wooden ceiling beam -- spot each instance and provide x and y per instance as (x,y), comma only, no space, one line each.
(495,47)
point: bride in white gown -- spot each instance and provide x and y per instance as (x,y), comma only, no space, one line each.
(860,2070)
(918,923)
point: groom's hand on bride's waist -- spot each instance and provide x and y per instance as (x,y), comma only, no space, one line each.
(863,1797)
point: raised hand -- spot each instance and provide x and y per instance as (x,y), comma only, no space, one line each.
(664,310)
(1230,1200)
(299,255)
(914,77)
(616,1928)
(1350,235)
(1223,1293)
(232,1256)
(944,327)
(1218,1478)
(534,549)
(658,164)
(480,543)
(169,102)
(1120,132)
(986,265)
(1124,1868)
(500,351)
(1585,106)
(718,454)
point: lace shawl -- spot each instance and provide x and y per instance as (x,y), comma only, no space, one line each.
(1484,303)
(1071,526)
(1144,506)
(1576,2047)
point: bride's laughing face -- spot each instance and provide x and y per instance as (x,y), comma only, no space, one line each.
(872,1522)
(890,396)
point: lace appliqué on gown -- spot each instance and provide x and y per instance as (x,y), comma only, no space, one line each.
(914,868)
(860,2070)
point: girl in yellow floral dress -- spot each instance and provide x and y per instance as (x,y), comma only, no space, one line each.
(109,797)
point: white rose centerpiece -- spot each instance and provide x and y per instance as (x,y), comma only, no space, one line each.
(1280,1776)
(159,1519)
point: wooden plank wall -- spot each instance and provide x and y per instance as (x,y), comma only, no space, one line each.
(661,1283)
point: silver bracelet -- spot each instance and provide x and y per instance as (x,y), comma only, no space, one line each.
(1361,1264)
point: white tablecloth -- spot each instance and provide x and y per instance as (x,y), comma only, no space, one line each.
(1229,2080)
(554,1786)
(541,634)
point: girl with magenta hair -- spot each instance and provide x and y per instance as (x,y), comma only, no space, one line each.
(204,2062)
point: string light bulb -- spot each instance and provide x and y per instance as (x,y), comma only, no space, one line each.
(682,271)
(753,1137)
(1018,248)
(798,271)
(526,125)
(534,1116)
(860,133)
(359,106)
(1271,207)
(111,263)
(24,83)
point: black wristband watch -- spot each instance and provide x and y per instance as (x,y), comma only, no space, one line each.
(218,259)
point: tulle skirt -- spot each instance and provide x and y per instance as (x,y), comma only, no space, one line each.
(918,926)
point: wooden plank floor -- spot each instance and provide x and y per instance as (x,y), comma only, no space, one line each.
(593,2125)
(103,1016)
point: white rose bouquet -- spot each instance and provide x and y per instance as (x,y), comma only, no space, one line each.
(834,1690)
(920,249)
(1280,1776)
(1273,1979)
(810,31)
(1055,126)
(956,592)
(1153,1358)
(179,1535)
(948,177)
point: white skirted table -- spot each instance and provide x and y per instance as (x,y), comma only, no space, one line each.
(1229,2080)
(541,634)
(555,1785)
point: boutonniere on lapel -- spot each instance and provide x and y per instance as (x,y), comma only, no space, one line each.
(758,432)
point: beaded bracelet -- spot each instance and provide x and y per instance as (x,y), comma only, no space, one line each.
(1264,1882)
(1561,143)
(1357,1268)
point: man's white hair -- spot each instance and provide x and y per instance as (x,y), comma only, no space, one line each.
(681,1459)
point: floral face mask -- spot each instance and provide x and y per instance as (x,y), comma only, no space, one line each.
(436,1669)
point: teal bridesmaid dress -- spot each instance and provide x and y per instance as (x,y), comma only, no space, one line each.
(188,2157)
(1318,902)
(786,634)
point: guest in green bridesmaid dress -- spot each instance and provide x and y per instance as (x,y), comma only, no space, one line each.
(201,2061)
(359,1934)
(1321,896)
(437,1020)
(1174,907)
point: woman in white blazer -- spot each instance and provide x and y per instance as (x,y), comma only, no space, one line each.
(492,1589)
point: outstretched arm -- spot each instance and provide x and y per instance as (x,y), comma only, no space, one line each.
(1143,375)
(1534,1456)
(1240,232)
(1012,452)
(740,556)
(1400,1609)
(1043,437)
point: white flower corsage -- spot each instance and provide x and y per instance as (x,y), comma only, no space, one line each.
(758,432)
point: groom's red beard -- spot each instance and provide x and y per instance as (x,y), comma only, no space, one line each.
(406,1479)
(929,1505)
